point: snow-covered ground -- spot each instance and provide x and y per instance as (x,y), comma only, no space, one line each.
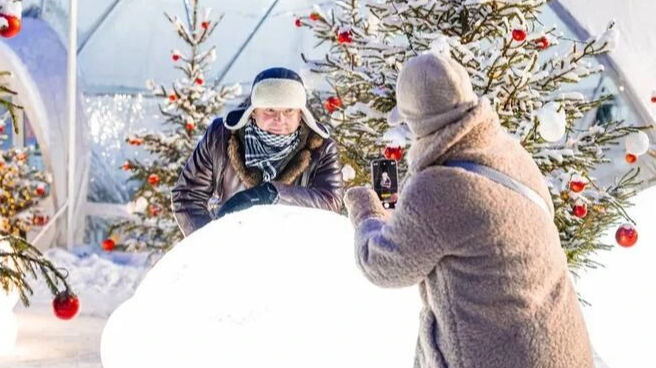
(620,321)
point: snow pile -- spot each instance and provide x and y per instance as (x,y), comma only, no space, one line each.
(271,286)
(99,281)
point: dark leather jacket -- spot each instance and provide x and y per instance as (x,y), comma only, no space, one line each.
(311,177)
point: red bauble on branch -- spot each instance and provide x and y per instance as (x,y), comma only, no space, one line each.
(315,16)
(190,126)
(135,141)
(154,210)
(332,104)
(393,153)
(345,37)
(108,245)
(580,210)
(626,235)
(576,186)
(153,179)
(40,220)
(126,166)
(298,23)
(173,97)
(631,158)
(40,191)
(519,35)
(205,25)
(66,305)
(13,26)
(542,43)
(199,81)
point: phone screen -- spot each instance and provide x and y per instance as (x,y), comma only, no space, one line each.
(384,175)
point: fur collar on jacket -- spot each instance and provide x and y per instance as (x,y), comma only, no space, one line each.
(301,160)
(477,126)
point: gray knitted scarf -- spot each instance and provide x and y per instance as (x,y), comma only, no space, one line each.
(267,151)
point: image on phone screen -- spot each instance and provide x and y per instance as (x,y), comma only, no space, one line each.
(384,176)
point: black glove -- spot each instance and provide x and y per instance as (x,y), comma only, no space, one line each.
(262,194)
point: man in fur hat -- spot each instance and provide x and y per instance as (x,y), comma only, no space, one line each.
(474,229)
(270,150)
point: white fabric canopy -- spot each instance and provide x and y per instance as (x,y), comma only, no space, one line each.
(635,55)
(37,59)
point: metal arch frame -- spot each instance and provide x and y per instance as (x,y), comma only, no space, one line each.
(606,60)
(248,40)
(99,22)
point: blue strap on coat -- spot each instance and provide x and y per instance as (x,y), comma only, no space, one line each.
(502,179)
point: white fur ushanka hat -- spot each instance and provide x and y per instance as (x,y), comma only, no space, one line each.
(275,88)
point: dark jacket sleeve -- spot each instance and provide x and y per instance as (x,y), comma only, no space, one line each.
(326,187)
(195,185)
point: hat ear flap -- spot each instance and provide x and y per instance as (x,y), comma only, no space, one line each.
(236,119)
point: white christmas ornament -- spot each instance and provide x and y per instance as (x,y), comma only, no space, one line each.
(138,206)
(8,321)
(243,292)
(637,143)
(348,172)
(552,123)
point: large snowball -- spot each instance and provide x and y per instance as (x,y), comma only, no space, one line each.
(621,319)
(273,286)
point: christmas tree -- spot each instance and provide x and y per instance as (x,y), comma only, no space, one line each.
(527,71)
(22,188)
(189,106)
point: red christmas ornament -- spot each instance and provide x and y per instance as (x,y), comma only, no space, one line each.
(580,210)
(205,25)
(315,16)
(126,166)
(332,104)
(631,158)
(13,27)
(576,186)
(154,210)
(135,141)
(393,153)
(626,235)
(542,43)
(345,37)
(39,220)
(108,245)
(190,126)
(173,97)
(298,23)
(176,56)
(519,35)
(653,99)
(2,129)
(199,81)
(153,179)
(66,305)
(40,191)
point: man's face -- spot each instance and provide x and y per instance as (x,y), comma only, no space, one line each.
(279,121)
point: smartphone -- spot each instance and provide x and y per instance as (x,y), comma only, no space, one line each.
(384,177)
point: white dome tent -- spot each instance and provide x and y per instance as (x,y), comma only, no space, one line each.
(37,60)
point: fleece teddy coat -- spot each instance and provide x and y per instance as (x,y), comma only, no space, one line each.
(492,275)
